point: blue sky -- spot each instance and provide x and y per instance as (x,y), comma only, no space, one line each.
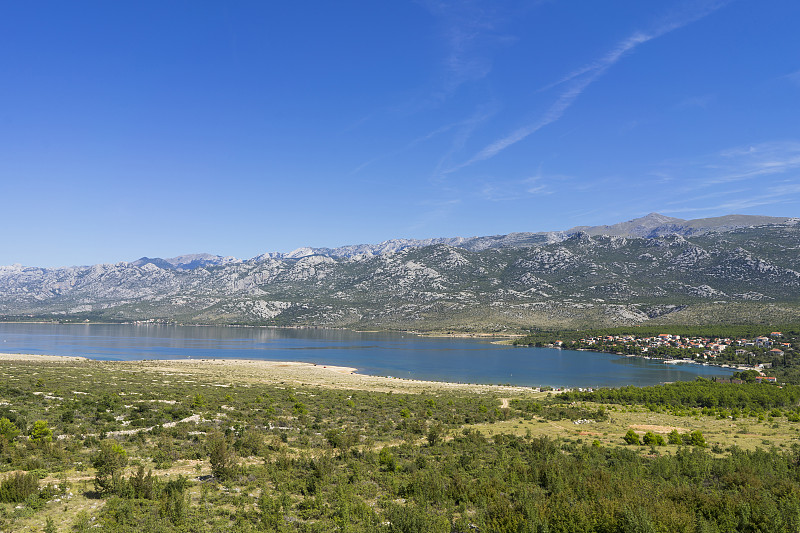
(237,128)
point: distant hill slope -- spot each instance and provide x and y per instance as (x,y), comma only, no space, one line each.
(654,225)
(727,269)
(187,262)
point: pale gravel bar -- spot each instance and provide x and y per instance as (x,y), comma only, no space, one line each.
(41,358)
(228,372)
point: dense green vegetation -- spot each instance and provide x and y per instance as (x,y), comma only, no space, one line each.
(784,365)
(147,451)
(718,330)
(700,393)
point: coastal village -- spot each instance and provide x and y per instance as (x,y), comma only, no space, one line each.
(757,353)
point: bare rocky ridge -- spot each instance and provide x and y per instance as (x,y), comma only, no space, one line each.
(726,269)
(652,225)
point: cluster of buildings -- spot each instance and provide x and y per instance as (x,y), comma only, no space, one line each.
(701,347)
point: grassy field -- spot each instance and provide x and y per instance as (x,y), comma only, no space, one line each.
(280,422)
(232,392)
(746,433)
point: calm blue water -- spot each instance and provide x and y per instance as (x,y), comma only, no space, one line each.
(380,354)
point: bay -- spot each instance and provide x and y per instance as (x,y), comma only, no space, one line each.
(380,354)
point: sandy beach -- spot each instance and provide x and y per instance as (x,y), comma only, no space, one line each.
(227,372)
(40,358)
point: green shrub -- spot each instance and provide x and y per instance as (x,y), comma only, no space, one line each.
(18,487)
(221,457)
(631,437)
(109,461)
(696,439)
(652,439)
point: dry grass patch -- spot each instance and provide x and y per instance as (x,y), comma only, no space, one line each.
(746,433)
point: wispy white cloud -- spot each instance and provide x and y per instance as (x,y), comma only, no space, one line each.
(759,178)
(733,206)
(736,179)
(463,132)
(468,30)
(579,80)
(409,145)
(509,190)
(667,24)
(553,113)
(472,31)
(755,161)
(460,130)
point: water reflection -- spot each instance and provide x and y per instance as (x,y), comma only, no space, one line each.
(383,354)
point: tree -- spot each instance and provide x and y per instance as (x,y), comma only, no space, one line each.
(8,430)
(271,516)
(221,456)
(109,461)
(697,439)
(343,439)
(41,432)
(748,376)
(652,439)
(143,486)
(434,434)
(674,437)
(174,504)
(631,437)
(198,401)
(387,460)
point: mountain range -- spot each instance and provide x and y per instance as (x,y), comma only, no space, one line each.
(649,226)
(657,269)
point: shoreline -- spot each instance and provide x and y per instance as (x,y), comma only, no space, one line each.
(307,373)
(42,357)
(434,333)
(254,371)
(636,356)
